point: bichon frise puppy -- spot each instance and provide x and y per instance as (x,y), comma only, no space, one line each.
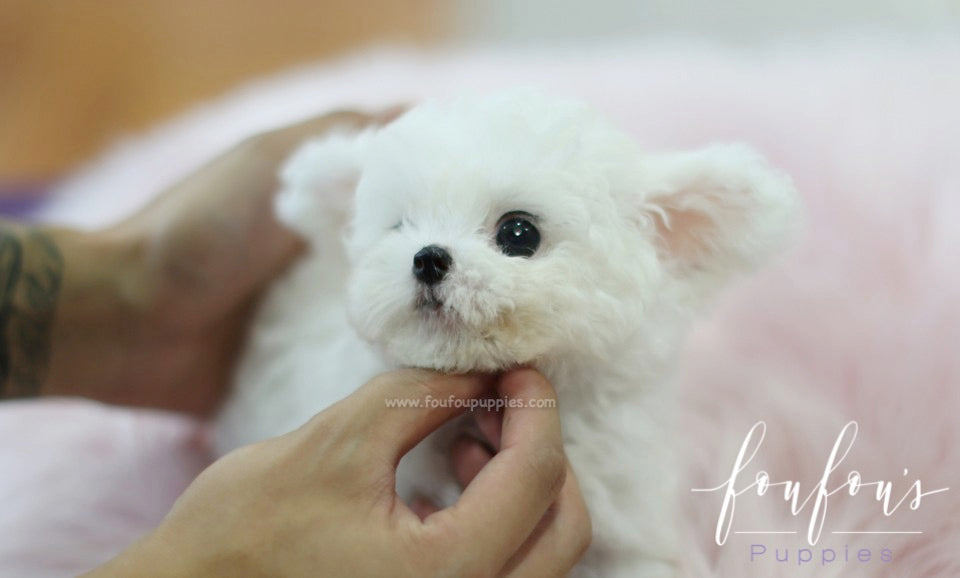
(485,233)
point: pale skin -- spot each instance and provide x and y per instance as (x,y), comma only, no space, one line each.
(151,312)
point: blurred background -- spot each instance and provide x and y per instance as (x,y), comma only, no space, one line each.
(77,75)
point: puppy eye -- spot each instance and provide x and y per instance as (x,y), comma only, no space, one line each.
(517,236)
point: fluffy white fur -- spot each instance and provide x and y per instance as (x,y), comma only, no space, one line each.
(632,244)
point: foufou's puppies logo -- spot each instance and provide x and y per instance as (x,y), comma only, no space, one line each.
(814,503)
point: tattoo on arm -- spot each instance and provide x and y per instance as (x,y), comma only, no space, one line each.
(31,271)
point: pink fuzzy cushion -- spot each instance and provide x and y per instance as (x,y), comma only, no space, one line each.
(861,322)
(79,481)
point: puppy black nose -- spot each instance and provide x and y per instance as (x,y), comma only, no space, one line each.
(430,264)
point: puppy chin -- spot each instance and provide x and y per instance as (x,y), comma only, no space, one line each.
(448,352)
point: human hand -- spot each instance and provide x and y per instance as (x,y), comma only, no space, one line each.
(166,295)
(320,501)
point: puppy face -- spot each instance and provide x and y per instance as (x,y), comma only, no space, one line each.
(492,233)
(481,241)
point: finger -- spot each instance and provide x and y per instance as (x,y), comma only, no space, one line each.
(560,539)
(469,456)
(503,504)
(423,507)
(394,411)
(490,423)
(279,143)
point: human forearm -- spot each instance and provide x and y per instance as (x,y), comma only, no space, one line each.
(66,298)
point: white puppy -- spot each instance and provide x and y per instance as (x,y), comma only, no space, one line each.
(515,229)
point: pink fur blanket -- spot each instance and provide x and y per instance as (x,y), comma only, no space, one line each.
(861,323)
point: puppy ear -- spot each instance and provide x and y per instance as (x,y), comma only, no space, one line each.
(317,185)
(719,210)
